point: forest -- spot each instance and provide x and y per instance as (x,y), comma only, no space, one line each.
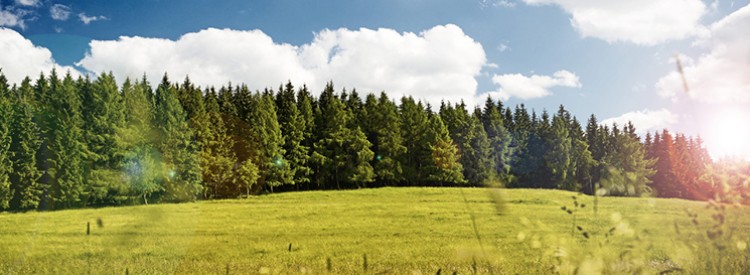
(79,142)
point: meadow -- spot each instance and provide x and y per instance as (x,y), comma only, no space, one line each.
(384,231)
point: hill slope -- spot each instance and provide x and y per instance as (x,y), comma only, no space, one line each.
(397,230)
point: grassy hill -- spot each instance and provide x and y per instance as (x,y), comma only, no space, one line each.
(397,230)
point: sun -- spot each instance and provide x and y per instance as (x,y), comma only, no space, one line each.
(729,134)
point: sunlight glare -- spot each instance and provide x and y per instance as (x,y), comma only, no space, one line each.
(729,135)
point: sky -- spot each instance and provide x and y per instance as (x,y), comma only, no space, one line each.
(615,59)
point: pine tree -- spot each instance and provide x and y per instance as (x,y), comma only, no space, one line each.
(217,158)
(25,187)
(275,170)
(664,180)
(557,156)
(65,144)
(385,124)
(141,161)
(476,157)
(443,166)
(104,119)
(342,153)
(6,168)
(500,139)
(414,126)
(181,171)
(293,125)
(628,169)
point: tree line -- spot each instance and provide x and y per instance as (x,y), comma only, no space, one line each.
(67,143)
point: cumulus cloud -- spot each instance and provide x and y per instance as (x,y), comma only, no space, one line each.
(721,75)
(21,58)
(13,17)
(59,12)
(643,22)
(439,63)
(645,120)
(88,19)
(535,86)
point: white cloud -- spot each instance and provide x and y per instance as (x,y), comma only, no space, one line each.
(59,12)
(645,120)
(720,75)
(12,16)
(643,22)
(503,47)
(88,19)
(9,19)
(32,3)
(497,3)
(439,63)
(535,86)
(21,58)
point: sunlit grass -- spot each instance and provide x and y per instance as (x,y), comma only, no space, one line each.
(400,230)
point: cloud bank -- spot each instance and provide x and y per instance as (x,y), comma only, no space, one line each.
(438,63)
(21,58)
(529,87)
(722,75)
(645,120)
(642,22)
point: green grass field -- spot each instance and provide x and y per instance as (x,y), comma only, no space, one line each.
(398,230)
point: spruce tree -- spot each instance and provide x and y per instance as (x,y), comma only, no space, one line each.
(104,120)
(6,168)
(443,165)
(293,124)
(476,157)
(24,180)
(499,137)
(414,126)
(385,123)
(557,156)
(141,161)
(181,171)
(65,144)
(217,157)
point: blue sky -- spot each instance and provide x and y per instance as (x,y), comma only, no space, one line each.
(610,58)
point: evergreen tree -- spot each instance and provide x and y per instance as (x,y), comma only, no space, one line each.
(343,154)
(499,137)
(25,187)
(414,126)
(664,180)
(476,158)
(385,123)
(217,158)
(557,157)
(443,166)
(6,168)
(65,144)
(628,169)
(181,171)
(267,137)
(103,116)
(141,161)
(293,125)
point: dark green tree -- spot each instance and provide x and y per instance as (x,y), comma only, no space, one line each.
(414,126)
(25,186)
(500,139)
(6,167)
(65,144)
(293,125)
(104,119)
(181,170)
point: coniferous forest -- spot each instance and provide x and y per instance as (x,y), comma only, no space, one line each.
(68,143)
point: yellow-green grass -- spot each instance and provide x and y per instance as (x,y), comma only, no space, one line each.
(398,230)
